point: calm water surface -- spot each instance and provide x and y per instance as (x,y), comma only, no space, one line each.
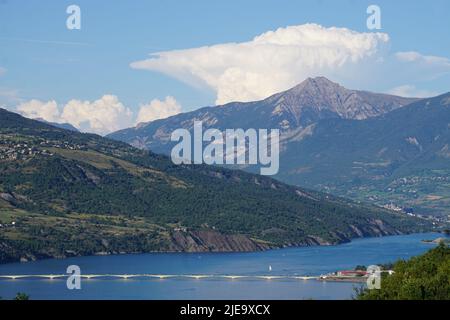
(293,261)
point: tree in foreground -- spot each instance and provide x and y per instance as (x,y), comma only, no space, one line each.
(426,277)
(21,296)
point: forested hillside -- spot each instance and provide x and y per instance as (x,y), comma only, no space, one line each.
(69,193)
(426,277)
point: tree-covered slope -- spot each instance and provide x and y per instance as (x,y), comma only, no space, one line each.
(401,157)
(425,277)
(365,146)
(73,193)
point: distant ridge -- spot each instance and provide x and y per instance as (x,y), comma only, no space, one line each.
(74,193)
(384,149)
(66,126)
(292,110)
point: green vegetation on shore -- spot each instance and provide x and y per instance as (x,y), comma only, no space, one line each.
(76,194)
(425,277)
(20,296)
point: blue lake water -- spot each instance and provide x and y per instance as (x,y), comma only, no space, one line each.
(307,261)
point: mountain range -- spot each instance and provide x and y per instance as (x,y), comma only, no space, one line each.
(389,150)
(400,158)
(290,111)
(65,193)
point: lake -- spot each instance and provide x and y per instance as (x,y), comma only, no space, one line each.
(305,261)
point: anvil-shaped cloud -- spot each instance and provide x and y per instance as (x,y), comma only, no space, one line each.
(277,60)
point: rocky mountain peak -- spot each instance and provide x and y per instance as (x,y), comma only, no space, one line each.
(314,85)
(290,111)
(324,97)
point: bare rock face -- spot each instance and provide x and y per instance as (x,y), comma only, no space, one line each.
(324,98)
(7,197)
(212,241)
(290,111)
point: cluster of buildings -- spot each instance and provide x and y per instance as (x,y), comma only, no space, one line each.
(393,207)
(61,145)
(410,212)
(17,150)
(345,274)
(11,150)
(349,275)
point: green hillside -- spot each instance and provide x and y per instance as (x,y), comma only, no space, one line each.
(402,157)
(71,193)
(365,146)
(426,277)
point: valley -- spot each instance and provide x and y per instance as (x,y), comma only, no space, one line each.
(386,150)
(81,194)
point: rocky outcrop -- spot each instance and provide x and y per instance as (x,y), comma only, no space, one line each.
(197,241)
(320,95)
(290,111)
(10,254)
(7,197)
(213,241)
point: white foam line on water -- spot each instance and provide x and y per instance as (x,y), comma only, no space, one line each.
(157,276)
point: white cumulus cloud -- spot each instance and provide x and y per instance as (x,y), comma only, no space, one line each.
(278,60)
(102,116)
(37,109)
(158,109)
(271,62)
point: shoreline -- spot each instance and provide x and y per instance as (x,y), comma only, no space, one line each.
(214,252)
(290,262)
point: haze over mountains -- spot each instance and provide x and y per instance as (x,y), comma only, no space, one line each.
(66,126)
(372,147)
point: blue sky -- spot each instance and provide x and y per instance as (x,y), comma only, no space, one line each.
(41,59)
